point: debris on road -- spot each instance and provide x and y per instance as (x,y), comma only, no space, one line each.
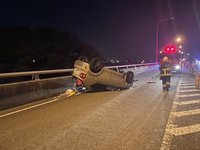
(68,93)
(71,92)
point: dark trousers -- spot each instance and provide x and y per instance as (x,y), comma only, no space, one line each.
(165,82)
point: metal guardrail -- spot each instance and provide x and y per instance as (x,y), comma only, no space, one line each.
(132,65)
(35,74)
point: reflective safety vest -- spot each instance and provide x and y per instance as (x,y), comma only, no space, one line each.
(165,69)
(166,72)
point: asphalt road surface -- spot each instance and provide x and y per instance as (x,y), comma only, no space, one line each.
(133,119)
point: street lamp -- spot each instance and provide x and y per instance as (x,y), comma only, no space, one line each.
(161,20)
(178,40)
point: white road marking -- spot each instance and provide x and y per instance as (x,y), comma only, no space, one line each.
(185,82)
(170,130)
(185,130)
(167,139)
(187,79)
(184,87)
(189,102)
(30,107)
(188,83)
(191,81)
(189,95)
(191,90)
(186,113)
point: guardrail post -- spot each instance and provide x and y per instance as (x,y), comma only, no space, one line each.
(117,69)
(35,77)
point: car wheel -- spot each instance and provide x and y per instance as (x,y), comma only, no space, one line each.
(96,65)
(129,77)
(83,58)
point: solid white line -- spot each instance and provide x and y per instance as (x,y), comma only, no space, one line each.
(185,130)
(186,113)
(167,139)
(30,107)
(192,90)
(189,95)
(189,102)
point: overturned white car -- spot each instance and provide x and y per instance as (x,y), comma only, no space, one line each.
(95,76)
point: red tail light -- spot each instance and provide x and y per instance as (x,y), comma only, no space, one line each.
(82,76)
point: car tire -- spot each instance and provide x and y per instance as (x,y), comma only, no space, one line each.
(96,65)
(83,58)
(129,76)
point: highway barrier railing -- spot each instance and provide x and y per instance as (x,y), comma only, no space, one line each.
(37,88)
(35,75)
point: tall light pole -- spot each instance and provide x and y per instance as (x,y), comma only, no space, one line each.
(157,25)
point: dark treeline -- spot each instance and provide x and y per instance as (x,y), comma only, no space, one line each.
(26,49)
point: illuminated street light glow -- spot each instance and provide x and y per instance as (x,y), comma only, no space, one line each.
(180,46)
(178,39)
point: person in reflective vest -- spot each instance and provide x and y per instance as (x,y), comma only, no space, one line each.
(165,73)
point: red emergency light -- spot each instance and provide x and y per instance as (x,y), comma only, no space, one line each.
(170,49)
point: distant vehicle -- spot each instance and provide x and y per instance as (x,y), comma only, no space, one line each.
(95,76)
(175,66)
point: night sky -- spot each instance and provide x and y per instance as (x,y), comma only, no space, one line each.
(118,28)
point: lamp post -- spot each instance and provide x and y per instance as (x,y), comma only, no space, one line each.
(157,25)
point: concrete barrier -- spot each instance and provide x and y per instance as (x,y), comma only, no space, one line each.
(16,94)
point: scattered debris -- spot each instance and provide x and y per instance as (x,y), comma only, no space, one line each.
(151,82)
(71,92)
(68,93)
